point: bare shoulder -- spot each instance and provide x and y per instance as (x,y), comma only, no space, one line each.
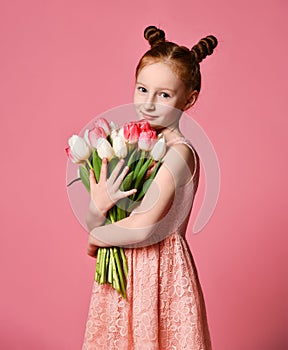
(181,161)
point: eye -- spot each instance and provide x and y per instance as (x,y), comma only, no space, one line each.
(142,89)
(164,95)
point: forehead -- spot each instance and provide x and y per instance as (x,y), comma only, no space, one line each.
(158,74)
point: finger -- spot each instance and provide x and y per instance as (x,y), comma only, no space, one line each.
(103,171)
(120,178)
(92,250)
(116,171)
(124,194)
(92,177)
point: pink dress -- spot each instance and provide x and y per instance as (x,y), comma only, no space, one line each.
(165,308)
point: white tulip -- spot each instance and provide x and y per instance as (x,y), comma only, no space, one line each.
(159,149)
(119,146)
(78,149)
(113,126)
(113,134)
(86,138)
(105,149)
(121,132)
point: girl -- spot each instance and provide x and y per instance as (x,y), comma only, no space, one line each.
(164,308)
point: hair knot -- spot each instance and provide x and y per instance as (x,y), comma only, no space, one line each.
(204,47)
(154,35)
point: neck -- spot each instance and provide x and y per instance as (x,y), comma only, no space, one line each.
(170,133)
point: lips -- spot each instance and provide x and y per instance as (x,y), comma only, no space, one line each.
(148,116)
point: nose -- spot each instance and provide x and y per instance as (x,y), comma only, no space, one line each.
(149,103)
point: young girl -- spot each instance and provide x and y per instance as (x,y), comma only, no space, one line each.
(164,308)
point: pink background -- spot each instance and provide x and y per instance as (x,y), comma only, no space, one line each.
(62,63)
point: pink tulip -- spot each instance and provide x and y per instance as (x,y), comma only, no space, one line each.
(95,134)
(143,125)
(103,123)
(131,132)
(147,140)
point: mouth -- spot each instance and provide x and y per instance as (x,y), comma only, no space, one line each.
(148,116)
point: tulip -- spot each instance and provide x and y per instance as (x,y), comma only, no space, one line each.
(105,149)
(113,134)
(95,134)
(159,149)
(103,123)
(121,132)
(78,150)
(85,136)
(143,125)
(113,126)
(147,140)
(131,132)
(119,146)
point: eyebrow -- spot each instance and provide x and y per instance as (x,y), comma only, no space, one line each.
(159,88)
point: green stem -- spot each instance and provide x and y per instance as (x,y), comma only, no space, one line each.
(97,273)
(110,267)
(89,163)
(124,261)
(107,264)
(116,284)
(103,266)
(120,272)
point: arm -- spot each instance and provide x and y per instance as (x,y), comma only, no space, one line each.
(94,217)
(142,222)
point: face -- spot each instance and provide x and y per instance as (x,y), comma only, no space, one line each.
(160,96)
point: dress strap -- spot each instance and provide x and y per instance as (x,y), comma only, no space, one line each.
(187,142)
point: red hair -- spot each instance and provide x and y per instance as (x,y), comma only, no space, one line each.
(183,62)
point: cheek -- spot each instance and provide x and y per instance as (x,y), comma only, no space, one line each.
(170,114)
(167,110)
(137,98)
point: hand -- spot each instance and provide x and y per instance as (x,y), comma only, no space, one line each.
(92,249)
(107,192)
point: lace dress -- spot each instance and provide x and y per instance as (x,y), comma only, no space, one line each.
(165,308)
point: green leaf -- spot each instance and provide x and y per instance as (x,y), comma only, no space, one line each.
(96,162)
(144,189)
(139,165)
(111,165)
(127,182)
(84,175)
(148,182)
(132,159)
(142,172)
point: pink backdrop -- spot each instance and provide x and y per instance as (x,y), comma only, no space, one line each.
(62,63)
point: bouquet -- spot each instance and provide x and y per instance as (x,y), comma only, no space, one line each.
(138,144)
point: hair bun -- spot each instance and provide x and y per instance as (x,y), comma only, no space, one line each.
(154,35)
(204,48)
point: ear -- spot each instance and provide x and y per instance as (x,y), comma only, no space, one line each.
(191,99)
